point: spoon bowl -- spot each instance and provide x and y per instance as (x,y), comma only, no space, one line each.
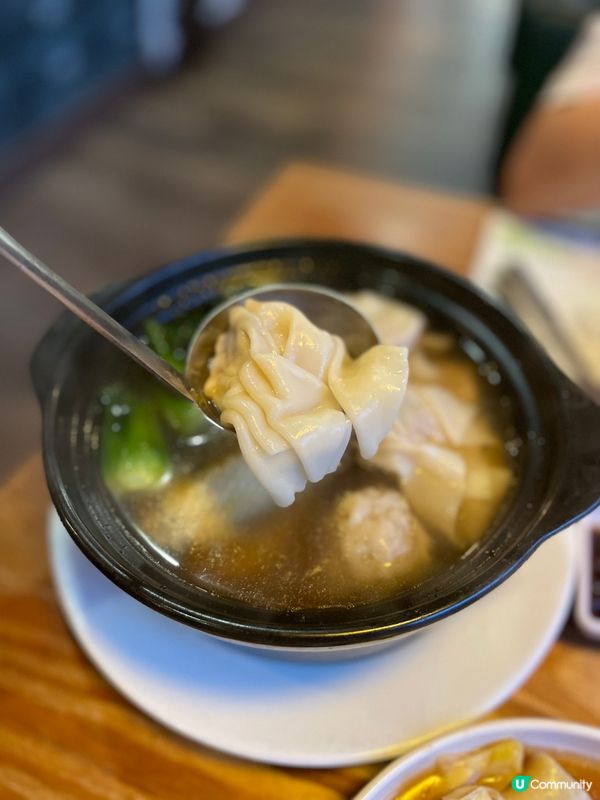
(325,308)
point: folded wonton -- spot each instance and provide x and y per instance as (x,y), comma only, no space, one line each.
(293,395)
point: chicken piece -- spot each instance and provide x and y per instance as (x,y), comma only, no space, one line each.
(379,536)
(394,322)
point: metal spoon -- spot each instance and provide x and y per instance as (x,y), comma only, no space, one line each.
(519,292)
(325,308)
(92,314)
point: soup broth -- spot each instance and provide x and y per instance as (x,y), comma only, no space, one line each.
(362,533)
(494,766)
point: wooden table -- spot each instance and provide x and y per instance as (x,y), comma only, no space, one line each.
(64,732)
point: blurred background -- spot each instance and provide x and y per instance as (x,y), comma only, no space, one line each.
(133,132)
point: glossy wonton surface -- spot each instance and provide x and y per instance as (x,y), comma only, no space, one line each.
(294,396)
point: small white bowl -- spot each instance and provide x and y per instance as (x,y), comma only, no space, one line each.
(565,737)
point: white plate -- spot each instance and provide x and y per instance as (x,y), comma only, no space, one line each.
(565,737)
(320,714)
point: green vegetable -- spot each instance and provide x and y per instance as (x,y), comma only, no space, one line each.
(134,451)
(170,341)
(181,416)
(161,343)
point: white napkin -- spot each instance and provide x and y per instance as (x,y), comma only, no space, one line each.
(565,272)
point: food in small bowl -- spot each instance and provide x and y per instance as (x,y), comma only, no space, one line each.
(468,482)
(499,760)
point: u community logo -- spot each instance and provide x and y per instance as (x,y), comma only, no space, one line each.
(521,782)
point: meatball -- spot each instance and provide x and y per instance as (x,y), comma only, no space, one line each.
(379,536)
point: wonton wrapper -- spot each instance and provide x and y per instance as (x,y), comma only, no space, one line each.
(495,765)
(394,322)
(418,450)
(441,449)
(435,487)
(293,396)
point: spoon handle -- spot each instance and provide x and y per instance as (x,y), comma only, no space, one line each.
(92,314)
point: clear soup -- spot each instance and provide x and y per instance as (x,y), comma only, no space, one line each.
(437,483)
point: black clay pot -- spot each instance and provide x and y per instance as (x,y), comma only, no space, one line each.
(559,470)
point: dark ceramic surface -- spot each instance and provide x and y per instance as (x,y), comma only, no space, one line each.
(559,462)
